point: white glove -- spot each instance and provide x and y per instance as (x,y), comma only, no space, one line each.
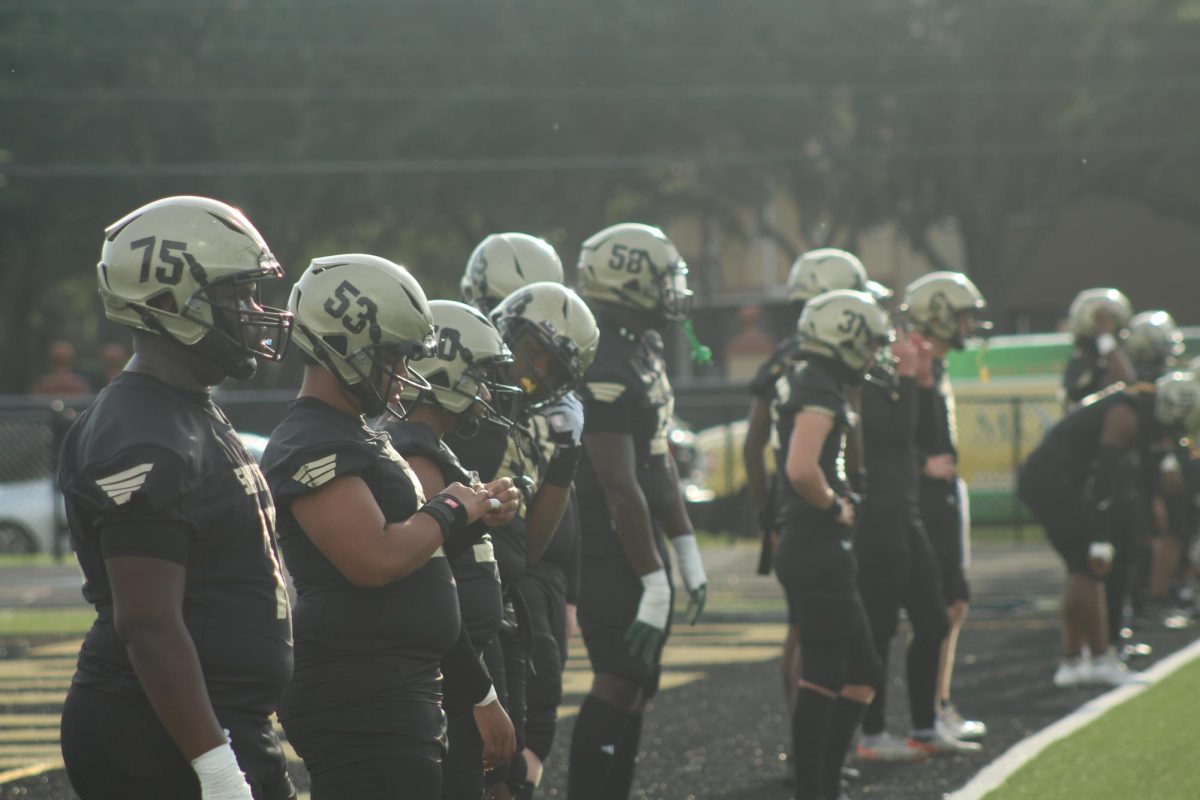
(1106,343)
(1101,551)
(220,776)
(694,577)
(566,420)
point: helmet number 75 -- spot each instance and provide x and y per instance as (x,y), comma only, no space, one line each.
(170,277)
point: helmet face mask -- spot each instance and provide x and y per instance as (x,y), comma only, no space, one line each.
(538,368)
(180,267)
(1097,311)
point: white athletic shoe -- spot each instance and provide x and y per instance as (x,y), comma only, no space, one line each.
(885,747)
(1108,670)
(938,744)
(1072,672)
(951,723)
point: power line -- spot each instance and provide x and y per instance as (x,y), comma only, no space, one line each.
(585,163)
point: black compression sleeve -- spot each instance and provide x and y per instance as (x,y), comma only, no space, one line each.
(464,671)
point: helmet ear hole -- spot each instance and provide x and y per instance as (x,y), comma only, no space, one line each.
(164,301)
(337,343)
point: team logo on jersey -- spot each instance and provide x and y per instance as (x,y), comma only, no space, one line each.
(317,473)
(251,479)
(605,391)
(121,486)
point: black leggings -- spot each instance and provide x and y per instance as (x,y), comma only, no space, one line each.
(546,597)
(898,569)
(115,748)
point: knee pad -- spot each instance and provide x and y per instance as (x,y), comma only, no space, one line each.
(824,664)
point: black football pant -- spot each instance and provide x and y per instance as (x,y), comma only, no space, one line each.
(115,748)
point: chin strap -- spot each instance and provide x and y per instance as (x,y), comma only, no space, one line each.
(701,355)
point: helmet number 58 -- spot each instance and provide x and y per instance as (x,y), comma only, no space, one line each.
(631,260)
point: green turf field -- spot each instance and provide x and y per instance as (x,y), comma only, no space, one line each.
(45,621)
(1143,748)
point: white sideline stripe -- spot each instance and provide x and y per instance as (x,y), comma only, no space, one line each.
(996,773)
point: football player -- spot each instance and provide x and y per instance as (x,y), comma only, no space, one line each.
(840,334)
(629,496)
(467,376)
(1071,483)
(812,273)
(377,611)
(173,525)
(945,308)
(553,336)
(1099,322)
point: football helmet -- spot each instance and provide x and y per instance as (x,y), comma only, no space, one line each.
(1177,402)
(364,319)
(557,320)
(635,266)
(1153,344)
(1082,317)
(189,268)
(845,325)
(935,303)
(824,270)
(468,366)
(503,263)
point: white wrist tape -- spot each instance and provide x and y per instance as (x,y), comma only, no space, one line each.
(1106,343)
(220,776)
(1101,551)
(690,563)
(655,605)
(491,697)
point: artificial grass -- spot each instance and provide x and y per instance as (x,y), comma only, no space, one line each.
(41,622)
(1143,748)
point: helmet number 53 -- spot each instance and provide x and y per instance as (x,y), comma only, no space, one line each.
(172,271)
(344,295)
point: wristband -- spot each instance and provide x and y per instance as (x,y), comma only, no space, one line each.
(561,469)
(1101,551)
(448,511)
(1105,343)
(491,697)
(220,776)
(654,609)
(690,563)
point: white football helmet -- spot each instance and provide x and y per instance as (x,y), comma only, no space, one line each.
(1177,402)
(189,268)
(1082,317)
(468,366)
(934,305)
(846,326)
(824,270)
(638,267)
(503,263)
(562,324)
(1153,344)
(363,318)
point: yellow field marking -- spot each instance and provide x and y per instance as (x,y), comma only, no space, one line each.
(39,752)
(31,720)
(32,698)
(22,667)
(57,649)
(703,656)
(29,735)
(29,771)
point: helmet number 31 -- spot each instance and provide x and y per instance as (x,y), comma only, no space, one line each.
(344,295)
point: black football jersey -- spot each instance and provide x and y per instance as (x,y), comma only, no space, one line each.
(762,385)
(1085,374)
(366,656)
(889,419)
(474,569)
(937,422)
(1071,446)
(626,391)
(154,471)
(811,385)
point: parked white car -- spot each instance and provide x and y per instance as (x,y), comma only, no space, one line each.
(29,516)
